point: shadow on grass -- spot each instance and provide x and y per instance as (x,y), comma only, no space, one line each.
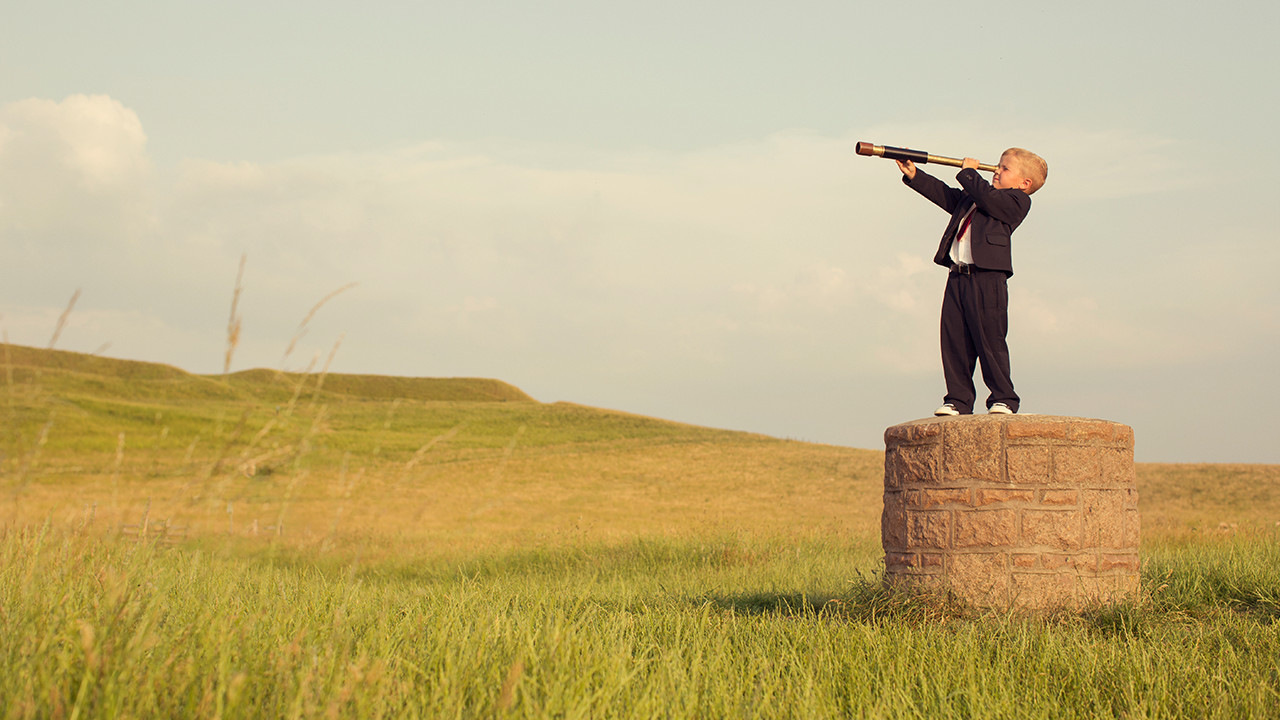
(869,602)
(866,600)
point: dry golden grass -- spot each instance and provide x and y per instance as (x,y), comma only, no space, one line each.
(604,493)
(1179,499)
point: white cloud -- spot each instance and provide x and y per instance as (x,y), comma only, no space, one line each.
(75,170)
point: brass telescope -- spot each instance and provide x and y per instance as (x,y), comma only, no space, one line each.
(919,157)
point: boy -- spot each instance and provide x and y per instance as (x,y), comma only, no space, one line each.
(975,247)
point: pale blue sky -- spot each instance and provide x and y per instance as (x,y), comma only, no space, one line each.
(656,207)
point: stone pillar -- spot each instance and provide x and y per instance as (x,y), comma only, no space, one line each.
(1012,511)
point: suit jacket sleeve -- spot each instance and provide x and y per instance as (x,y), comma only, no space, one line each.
(936,191)
(1007,206)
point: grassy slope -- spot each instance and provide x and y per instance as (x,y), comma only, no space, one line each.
(452,463)
(448,464)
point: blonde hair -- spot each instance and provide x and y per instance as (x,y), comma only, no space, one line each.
(1033,166)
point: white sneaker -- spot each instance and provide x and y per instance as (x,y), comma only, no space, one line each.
(999,409)
(947,409)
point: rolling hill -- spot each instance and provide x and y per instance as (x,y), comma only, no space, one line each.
(449,463)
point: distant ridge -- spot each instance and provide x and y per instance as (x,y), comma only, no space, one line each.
(21,356)
(391,387)
(73,370)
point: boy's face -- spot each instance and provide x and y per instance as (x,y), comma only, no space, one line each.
(1009,175)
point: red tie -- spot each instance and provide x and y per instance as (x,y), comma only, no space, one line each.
(968,219)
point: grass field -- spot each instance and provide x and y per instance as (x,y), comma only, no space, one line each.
(270,545)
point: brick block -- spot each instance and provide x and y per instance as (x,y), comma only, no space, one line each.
(979,578)
(971,451)
(992,496)
(986,528)
(1035,429)
(893,521)
(932,560)
(911,433)
(1103,517)
(1025,560)
(1090,431)
(1055,561)
(1058,529)
(1042,590)
(901,560)
(1028,464)
(1117,466)
(924,499)
(912,464)
(929,529)
(1060,497)
(1118,561)
(1076,465)
(1084,562)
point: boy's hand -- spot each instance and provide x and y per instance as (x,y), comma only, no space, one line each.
(969,163)
(908,168)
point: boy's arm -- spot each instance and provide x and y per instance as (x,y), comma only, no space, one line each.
(1009,206)
(936,191)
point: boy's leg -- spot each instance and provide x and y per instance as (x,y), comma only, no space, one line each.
(959,353)
(991,329)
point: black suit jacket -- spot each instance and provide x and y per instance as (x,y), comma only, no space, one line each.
(999,213)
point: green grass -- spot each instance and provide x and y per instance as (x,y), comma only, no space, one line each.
(691,628)
(382,547)
(92,400)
